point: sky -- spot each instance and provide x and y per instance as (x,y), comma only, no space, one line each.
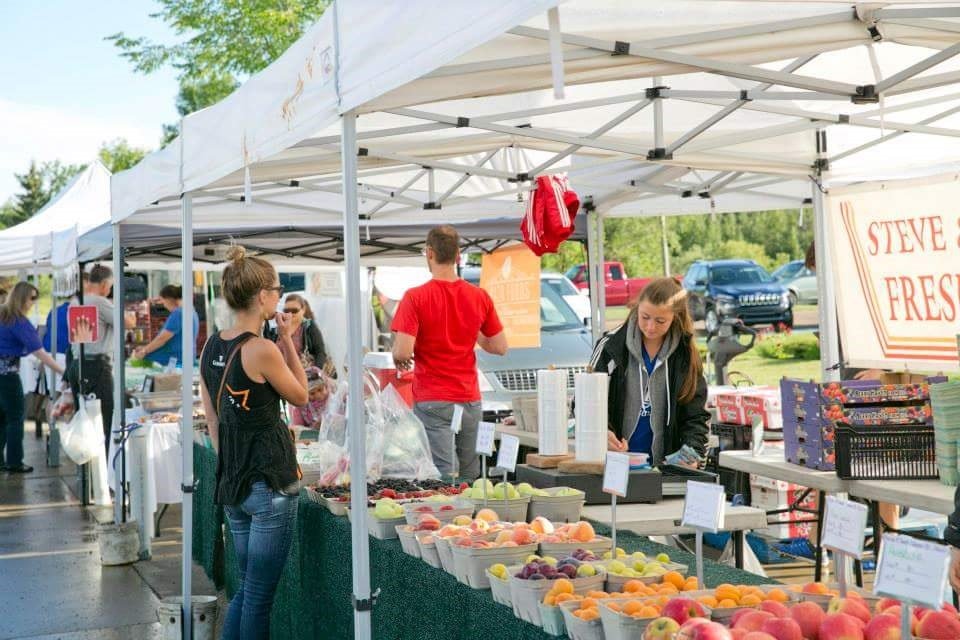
(65,90)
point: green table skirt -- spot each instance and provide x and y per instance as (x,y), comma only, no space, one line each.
(416,601)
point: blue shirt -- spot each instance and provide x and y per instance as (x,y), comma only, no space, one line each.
(641,440)
(174,346)
(63,337)
(18,338)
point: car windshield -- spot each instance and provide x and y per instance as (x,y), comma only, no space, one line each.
(789,270)
(739,274)
(555,312)
(561,285)
(573,272)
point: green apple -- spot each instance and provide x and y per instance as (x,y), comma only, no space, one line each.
(387,509)
(621,553)
(662,557)
(540,493)
(467,493)
(586,571)
(630,573)
(616,567)
(499,570)
(530,558)
(567,491)
(639,566)
(525,489)
(550,560)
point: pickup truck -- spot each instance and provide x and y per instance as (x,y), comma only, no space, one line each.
(618,287)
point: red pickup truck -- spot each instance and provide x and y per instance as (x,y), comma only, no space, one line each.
(618,287)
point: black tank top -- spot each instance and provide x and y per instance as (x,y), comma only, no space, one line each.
(254,442)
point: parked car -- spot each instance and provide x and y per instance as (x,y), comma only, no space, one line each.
(578,299)
(741,289)
(565,343)
(619,288)
(801,282)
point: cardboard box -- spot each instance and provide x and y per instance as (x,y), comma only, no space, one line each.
(784,531)
(730,408)
(893,388)
(765,403)
(774,499)
(811,455)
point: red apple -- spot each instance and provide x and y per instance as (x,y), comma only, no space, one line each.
(428,523)
(949,607)
(739,634)
(446,507)
(920,612)
(686,629)
(852,607)
(939,625)
(758,635)
(783,629)
(424,509)
(735,618)
(808,615)
(661,629)
(885,603)
(778,609)
(682,609)
(841,626)
(753,620)
(707,631)
(883,627)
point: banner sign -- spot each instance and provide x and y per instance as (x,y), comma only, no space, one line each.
(896,247)
(512,278)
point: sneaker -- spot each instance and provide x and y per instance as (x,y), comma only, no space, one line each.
(797,547)
(20,468)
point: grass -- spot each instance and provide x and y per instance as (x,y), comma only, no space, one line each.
(766,371)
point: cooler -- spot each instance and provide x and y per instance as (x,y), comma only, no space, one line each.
(380,364)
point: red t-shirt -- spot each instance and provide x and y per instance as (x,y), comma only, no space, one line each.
(445,318)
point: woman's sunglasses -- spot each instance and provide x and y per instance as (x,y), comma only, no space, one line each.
(292,310)
(278,289)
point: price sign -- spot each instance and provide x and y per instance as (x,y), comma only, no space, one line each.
(507,456)
(616,474)
(485,432)
(843,526)
(83,324)
(912,570)
(703,506)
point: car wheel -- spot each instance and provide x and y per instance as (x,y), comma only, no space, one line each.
(792,296)
(711,320)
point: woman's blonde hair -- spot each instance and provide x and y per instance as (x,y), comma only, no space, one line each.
(245,277)
(17,302)
(667,292)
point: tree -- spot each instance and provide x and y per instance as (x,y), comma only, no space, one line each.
(117,155)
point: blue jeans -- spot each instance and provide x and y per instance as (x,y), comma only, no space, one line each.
(11,419)
(262,528)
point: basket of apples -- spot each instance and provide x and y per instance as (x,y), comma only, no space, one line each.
(559,504)
(503,497)
(648,618)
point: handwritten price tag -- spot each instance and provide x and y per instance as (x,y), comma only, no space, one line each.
(616,474)
(843,526)
(507,456)
(912,570)
(485,433)
(704,506)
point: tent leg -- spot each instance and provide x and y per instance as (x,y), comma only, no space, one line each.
(601,272)
(119,417)
(827,303)
(362,600)
(594,272)
(186,421)
(665,246)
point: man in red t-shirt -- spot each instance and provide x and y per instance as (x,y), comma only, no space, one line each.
(438,324)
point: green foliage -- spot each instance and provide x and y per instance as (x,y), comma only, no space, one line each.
(570,253)
(117,155)
(789,347)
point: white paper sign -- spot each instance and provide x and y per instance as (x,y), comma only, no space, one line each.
(704,505)
(616,473)
(843,526)
(507,456)
(485,433)
(912,570)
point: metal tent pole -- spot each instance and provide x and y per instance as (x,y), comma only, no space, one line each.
(362,600)
(827,303)
(119,417)
(602,273)
(665,246)
(186,420)
(594,273)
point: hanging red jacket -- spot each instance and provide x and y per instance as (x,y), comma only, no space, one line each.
(551,210)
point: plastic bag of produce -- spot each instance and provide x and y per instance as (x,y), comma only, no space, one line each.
(82,437)
(406,450)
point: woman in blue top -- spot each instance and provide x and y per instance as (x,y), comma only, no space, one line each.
(18,338)
(169,343)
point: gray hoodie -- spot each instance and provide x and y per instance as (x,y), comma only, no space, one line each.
(655,384)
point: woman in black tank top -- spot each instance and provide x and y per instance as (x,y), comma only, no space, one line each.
(243,380)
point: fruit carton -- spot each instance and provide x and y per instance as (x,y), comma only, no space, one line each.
(510,510)
(445,551)
(823,599)
(445,512)
(557,508)
(834,413)
(408,541)
(578,629)
(381,528)
(428,551)
(724,614)
(527,595)
(615,582)
(499,589)
(619,626)
(730,407)
(766,404)
(811,455)
(470,564)
(335,507)
(599,545)
(552,618)
(775,499)
(854,392)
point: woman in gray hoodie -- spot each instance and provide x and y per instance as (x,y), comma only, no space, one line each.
(658,394)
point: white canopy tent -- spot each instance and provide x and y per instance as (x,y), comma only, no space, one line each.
(679,107)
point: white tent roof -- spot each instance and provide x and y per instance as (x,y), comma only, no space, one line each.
(79,207)
(470,94)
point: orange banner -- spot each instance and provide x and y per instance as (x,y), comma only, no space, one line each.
(512,278)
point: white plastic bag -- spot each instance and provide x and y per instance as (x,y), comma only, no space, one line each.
(406,449)
(82,437)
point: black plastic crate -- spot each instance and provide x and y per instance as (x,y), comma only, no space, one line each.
(733,437)
(886,452)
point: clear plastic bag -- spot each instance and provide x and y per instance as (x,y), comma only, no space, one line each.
(406,450)
(82,437)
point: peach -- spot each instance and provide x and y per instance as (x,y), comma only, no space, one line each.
(753,620)
(487,515)
(584,532)
(783,629)
(758,635)
(524,536)
(817,588)
(709,631)
(736,617)
(841,626)
(939,625)
(885,603)
(850,606)
(808,615)
(778,609)
(541,525)
(503,536)
(883,627)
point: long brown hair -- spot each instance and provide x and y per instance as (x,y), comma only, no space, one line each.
(667,292)
(245,277)
(16,305)
(296,297)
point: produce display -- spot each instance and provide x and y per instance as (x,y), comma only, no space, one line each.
(392,488)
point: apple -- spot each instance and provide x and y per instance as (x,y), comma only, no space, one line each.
(949,607)
(841,626)
(939,625)
(424,509)
(708,631)
(885,603)
(758,635)
(739,613)
(753,620)
(661,629)
(688,628)
(446,507)
(682,609)
(883,627)
(586,571)
(808,615)
(850,606)
(462,520)
(739,634)
(783,629)
(428,523)
(487,515)
(778,609)
(478,486)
